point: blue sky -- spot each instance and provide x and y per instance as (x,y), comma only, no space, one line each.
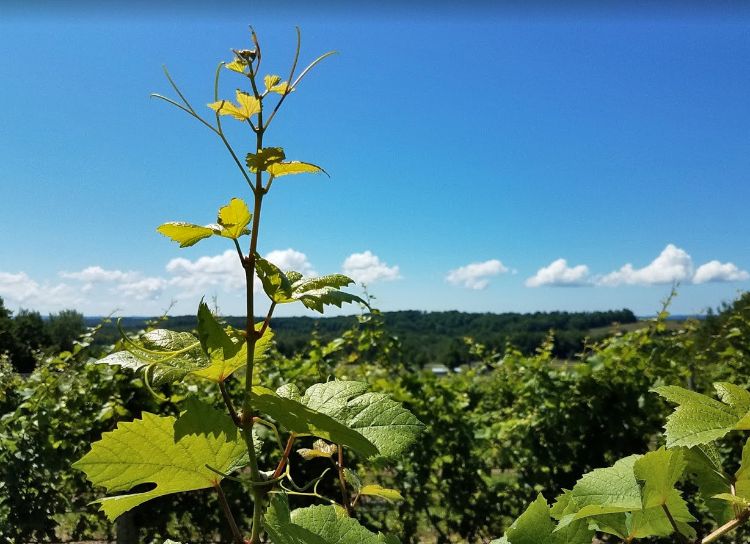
(469,153)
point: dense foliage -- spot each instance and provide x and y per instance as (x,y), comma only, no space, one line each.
(501,431)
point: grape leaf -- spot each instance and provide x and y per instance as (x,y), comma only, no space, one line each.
(316,525)
(170,453)
(264,158)
(352,479)
(279,169)
(169,356)
(535,526)
(244,109)
(699,419)
(234,218)
(616,503)
(320,448)
(375,490)
(237,65)
(705,466)
(314,293)
(275,283)
(604,491)
(274,84)
(741,495)
(297,417)
(381,420)
(271,80)
(660,470)
(186,234)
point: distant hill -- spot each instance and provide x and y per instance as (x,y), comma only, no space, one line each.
(427,337)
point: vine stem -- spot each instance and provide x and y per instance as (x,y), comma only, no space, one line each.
(342,481)
(729,526)
(285,456)
(228,513)
(230,406)
(248,264)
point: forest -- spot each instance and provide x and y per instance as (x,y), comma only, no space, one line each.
(427,338)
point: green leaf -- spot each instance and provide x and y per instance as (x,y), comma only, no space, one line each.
(314,293)
(733,499)
(352,479)
(705,466)
(699,419)
(170,453)
(316,525)
(604,491)
(275,283)
(169,356)
(279,169)
(297,417)
(535,526)
(660,470)
(186,234)
(264,158)
(742,476)
(244,109)
(383,421)
(375,490)
(304,285)
(616,503)
(234,218)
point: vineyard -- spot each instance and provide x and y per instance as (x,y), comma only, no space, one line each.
(602,429)
(498,434)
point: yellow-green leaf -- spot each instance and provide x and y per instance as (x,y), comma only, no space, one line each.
(246,107)
(271,80)
(263,158)
(275,85)
(237,65)
(320,448)
(170,453)
(186,234)
(234,218)
(225,354)
(293,167)
(382,492)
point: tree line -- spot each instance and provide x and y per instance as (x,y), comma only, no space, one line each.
(26,333)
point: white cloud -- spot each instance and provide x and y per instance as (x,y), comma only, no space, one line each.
(143,289)
(368,268)
(291,259)
(20,289)
(558,273)
(476,275)
(97,274)
(673,264)
(715,271)
(193,277)
(224,271)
